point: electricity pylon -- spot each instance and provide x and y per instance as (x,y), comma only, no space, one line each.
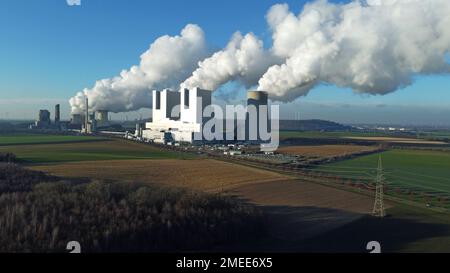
(378,207)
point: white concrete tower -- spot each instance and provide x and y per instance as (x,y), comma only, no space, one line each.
(163,104)
(193,102)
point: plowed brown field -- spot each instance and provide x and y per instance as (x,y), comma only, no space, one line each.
(201,174)
(295,210)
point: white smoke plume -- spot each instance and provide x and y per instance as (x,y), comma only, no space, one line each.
(372,46)
(167,62)
(73,2)
(244,59)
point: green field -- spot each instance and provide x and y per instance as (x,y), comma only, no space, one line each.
(318,134)
(26,139)
(427,171)
(435,135)
(87,151)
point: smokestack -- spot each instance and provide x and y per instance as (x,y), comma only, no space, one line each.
(57,114)
(86,119)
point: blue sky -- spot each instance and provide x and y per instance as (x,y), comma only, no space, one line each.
(49,51)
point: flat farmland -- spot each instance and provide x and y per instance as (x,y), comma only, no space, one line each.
(398,140)
(27,139)
(296,211)
(325,150)
(427,138)
(427,171)
(114,149)
(201,174)
(319,134)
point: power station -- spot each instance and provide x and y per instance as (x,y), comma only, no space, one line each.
(178,116)
(44,121)
(101,116)
(90,122)
(87,123)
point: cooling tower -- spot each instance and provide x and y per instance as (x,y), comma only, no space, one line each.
(256,99)
(102,117)
(77,119)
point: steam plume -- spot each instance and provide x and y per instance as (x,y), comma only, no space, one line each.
(372,46)
(244,59)
(167,62)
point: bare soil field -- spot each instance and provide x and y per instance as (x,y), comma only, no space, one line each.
(200,174)
(298,210)
(398,140)
(295,209)
(297,193)
(326,150)
(300,216)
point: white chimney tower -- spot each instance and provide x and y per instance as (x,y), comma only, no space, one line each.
(86,118)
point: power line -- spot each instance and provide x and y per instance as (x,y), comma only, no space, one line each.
(378,207)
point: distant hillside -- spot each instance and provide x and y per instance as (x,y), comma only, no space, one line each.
(312,125)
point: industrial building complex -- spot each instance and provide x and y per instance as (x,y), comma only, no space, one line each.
(179,117)
(44,120)
(85,123)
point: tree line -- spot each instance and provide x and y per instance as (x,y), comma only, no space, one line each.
(41,213)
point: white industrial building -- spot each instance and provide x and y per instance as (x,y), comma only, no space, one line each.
(177,116)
